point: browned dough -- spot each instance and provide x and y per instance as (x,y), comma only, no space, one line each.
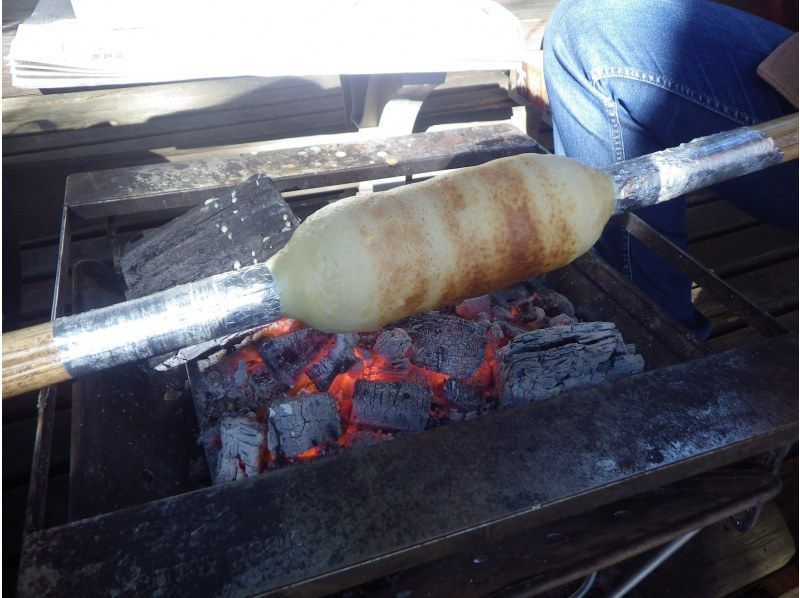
(365,261)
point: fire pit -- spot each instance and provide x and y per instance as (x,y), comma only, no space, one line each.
(351,473)
(289,393)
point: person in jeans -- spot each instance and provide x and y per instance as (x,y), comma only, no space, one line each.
(630,77)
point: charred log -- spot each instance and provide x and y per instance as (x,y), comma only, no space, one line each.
(543,363)
(287,355)
(338,359)
(399,406)
(446,343)
(249,223)
(245,225)
(299,423)
(242,441)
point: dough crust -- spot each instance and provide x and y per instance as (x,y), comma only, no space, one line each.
(365,261)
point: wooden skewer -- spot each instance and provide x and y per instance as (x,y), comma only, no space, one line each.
(30,360)
(33,357)
(784,133)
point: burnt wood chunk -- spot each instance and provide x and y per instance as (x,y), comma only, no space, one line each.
(248,224)
(242,440)
(299,423)
(546,362)
(446,343)
(463,396)
(392,344)
(552,302)
(398,406)
(469,308)
(338,359)
(287,355)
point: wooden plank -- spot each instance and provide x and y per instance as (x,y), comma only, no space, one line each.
(38,214)
(195,131)
(713,219)
(263,120)
(773,288)
(748,334)
(721,560)
(745,250)
(137,104)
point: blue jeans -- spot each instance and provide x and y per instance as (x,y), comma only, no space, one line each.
(630,77)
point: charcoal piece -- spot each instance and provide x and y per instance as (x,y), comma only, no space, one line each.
(392,344)
(399,406)
(299,423)
(338,359)
(505,297)
(462,395)
(287,355)
(527,310)
(469,308)
(218,391)
(510,329)
(446,343)
(546,362)
(562,320)
(552,302)
(242,442)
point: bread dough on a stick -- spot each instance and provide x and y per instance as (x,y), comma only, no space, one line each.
(365,261)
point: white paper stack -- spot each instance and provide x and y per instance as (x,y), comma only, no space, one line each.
(105,42)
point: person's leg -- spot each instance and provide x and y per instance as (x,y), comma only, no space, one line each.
(630,77)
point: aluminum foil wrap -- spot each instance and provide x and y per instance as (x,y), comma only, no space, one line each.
(661,176)
(181,316)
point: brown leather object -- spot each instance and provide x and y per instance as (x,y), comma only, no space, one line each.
(779,69)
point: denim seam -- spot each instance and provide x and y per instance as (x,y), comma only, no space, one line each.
(618,150)
(703,99)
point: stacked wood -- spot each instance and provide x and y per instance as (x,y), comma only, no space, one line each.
(299,423)
(543,363)
(398,406)
(242,442)
(287,355)
(446,343)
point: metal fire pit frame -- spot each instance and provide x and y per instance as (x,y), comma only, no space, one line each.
(326,525)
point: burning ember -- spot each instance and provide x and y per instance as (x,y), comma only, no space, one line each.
(293,393)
